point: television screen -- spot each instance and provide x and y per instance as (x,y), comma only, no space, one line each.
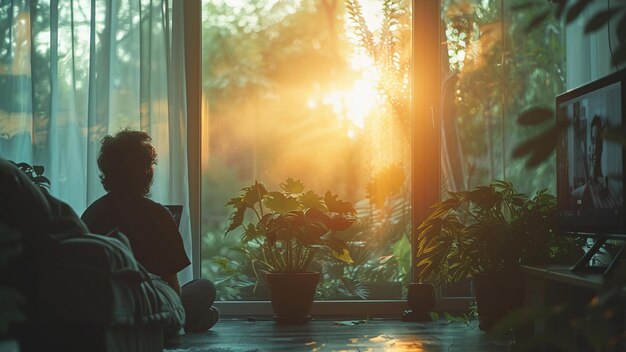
(590,167)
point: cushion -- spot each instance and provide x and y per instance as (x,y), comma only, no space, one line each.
(31,209)
(23,204)
(93,278)
(69,275)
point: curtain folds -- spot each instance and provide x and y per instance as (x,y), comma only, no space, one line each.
(74,72)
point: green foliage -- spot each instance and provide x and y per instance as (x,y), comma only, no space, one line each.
(35,173)
(465,318)
(250,50)
(235,278)
(490,228)
(292,225)
(390,49)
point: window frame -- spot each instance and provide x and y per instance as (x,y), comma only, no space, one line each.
(425,154)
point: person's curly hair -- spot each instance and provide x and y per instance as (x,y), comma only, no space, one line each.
(126,162)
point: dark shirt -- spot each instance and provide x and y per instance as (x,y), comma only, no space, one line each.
(149,226)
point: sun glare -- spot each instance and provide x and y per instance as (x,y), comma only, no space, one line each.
(353,106)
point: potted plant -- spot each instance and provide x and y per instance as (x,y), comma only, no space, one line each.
(291,227)
(485,234)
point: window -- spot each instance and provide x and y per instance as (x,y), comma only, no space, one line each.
(495,67)
(72,73)
(317,91)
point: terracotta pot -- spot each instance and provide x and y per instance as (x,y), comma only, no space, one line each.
(497,293)
(292,296)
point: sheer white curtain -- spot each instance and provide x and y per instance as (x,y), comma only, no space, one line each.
(74,71)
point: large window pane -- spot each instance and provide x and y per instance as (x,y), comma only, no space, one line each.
(495,68)
(316,91)
(71,74)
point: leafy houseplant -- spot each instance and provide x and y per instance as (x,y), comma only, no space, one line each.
(290,228)
(491,229)
(35,173)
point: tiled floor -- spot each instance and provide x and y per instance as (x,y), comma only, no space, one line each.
(328,335)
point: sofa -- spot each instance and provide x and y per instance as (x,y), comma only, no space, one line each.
(82,292)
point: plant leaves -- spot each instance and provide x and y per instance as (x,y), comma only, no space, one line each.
(318,215)
(281,203)
(337,206)
(344,256)
(535,116)
(292,186)
(340,222)
(538,148)
(313,234)
(42,181)
(560,8)
(576,10)
(311,200)
(536,21)
(236,219)
(38,169)
(599,20)
(251,233)
(523,6)
(254,194)
(434,316)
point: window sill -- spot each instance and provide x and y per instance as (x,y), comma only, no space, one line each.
(360,308)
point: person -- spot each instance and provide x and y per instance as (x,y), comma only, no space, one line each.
(126,162)
(597,141)
(594,190)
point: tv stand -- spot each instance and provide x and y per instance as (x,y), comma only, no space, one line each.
(583,263)
(549,287)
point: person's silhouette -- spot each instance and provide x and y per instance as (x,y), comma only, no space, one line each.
(597,141)
(126,163)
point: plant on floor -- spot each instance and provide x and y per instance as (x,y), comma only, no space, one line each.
(292,225)
(490,228)
(466,318)
(485,234)
(289,229)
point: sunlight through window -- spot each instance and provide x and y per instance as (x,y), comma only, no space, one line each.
(318,92)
